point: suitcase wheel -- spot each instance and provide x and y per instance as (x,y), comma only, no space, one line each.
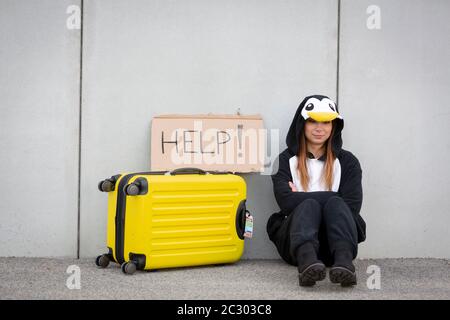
(138,187)
(128,267)
(102,261)
(132,189)
(106,185)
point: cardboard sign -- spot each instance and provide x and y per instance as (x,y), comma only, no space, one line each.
(232,143)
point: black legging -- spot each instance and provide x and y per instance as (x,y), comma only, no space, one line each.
(329,228)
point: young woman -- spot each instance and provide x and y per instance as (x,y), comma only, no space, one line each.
(318,189)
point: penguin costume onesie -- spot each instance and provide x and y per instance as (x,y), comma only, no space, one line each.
(318,228)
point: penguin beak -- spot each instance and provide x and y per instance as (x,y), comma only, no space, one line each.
(323,116)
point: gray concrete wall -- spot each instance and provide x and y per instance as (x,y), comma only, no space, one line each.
(394,88)
(39,82)
(146,58)
(143,58)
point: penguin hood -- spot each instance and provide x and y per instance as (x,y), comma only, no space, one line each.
(320,108)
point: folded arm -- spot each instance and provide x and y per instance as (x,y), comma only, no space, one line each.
(286,198)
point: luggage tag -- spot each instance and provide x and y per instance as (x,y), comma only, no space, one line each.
(248,231)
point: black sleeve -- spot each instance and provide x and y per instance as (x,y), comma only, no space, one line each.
(351,189)
(287,199)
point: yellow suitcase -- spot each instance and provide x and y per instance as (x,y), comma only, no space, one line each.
(186,217)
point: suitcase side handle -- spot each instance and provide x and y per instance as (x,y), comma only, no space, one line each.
(187,171)
(240,219)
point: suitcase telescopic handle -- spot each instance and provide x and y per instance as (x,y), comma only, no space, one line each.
(187,171)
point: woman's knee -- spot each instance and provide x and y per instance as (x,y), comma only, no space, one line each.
(308,203)
(333,203)
(306,213)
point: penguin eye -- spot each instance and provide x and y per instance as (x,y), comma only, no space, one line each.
(309,107)
(331,107)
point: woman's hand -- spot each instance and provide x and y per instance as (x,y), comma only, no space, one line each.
(293,187)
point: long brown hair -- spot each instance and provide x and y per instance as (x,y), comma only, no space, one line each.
(327,174)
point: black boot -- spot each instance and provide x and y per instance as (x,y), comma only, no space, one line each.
(343,270)
(310,268)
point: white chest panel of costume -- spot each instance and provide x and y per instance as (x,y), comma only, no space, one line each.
(315,168)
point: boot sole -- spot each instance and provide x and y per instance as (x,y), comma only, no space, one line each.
(343,276)
(313,273)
